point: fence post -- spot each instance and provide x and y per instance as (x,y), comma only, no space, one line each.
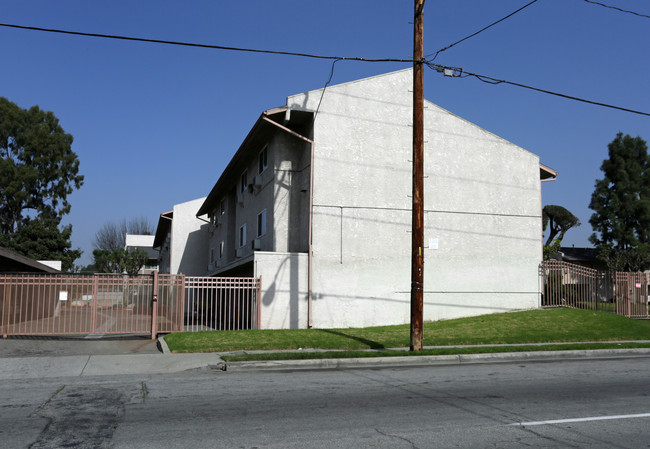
(154,306)
(5,309)
(93,304)
(259,302)
(181,305)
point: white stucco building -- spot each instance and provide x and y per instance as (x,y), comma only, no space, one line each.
(181,238)
(144,243)
(340,179)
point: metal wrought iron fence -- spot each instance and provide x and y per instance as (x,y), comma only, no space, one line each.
(71,304)
(65,304)
(214,303)
(570,285)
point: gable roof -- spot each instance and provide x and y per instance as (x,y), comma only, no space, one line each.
(11,261)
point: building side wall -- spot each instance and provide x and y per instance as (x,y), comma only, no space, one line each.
(188,240)
(284,289)
(291,158)
(164,257)
(482,197)
(280,190)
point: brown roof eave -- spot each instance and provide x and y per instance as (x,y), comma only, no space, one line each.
(164,223)
(18,262)
(546,173)
(212,198)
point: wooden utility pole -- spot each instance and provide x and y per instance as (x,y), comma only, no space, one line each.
(417,246)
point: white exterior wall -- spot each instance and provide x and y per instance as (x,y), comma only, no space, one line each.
(189,239)
(56,264)
(139,240)
(482,197)
(284,289)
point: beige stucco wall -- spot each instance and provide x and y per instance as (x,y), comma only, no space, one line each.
(189,239)
(284,289)
(482,196)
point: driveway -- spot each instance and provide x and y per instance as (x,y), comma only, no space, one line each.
(35,346)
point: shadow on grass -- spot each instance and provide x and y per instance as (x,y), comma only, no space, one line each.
(371,344)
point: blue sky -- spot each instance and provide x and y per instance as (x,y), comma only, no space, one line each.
(155,125)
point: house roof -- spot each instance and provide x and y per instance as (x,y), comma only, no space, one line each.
(11,261)
(256,138)
(547,173)
(573,254)
(163,228)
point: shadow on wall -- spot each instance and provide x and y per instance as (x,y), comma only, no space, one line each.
(277,287)
(194,260)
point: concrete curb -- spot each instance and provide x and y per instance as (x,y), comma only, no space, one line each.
(434,360)
(162,345)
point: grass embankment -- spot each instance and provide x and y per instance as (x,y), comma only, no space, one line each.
(521,328)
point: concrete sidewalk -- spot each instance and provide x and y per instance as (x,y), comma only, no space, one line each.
(43,358)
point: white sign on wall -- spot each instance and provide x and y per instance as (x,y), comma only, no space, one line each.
(63,295)
(433,243)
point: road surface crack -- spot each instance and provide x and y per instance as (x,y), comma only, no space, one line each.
(398,437)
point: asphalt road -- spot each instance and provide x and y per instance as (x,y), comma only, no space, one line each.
(597,404)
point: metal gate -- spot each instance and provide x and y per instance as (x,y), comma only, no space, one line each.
(569,285)
(222,303)
(72,304)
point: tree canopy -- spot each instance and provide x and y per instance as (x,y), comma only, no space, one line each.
(119,261)
(38,170)
(560,221)
(41,239)
(621,205)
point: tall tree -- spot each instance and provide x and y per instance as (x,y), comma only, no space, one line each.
(560,221)
(112,236)
(38,170)
(621,204)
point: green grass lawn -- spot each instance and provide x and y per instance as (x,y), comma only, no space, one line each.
(535,326)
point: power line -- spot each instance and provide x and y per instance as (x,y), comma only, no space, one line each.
(618,9)
(325,87)
(479,31)
(456,72)
(191,44)
(484,78)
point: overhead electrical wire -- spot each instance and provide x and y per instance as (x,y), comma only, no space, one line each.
(456,72)
(191,44)
(429,63)
(618,9)
(479,31)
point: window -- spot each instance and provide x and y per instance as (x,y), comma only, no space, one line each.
(261,223)
(244,181)
(211,255)
(222,207)
(242,235)
(221,248)
(263,160)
